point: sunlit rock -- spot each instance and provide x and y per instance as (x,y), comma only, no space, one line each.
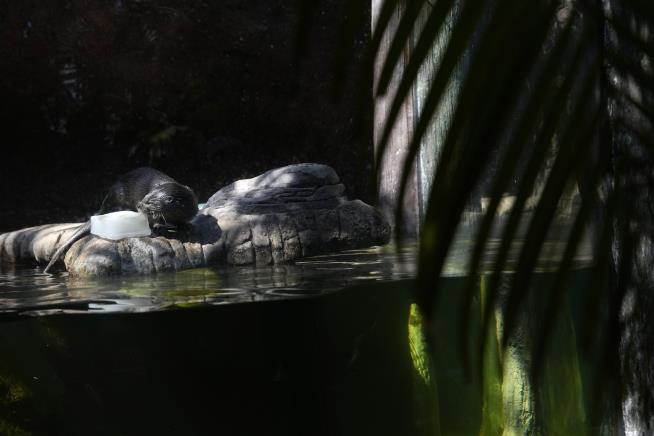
(276,217)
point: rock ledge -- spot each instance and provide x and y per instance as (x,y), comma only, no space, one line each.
(279,216)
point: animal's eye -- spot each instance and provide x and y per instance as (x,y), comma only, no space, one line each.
(169,199)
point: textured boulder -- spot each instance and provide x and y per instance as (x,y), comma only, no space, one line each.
(279,216)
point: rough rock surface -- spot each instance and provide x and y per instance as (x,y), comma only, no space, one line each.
(279,216)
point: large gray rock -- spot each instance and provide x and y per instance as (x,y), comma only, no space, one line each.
(279,216)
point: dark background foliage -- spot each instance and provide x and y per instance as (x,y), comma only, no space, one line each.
(208,92)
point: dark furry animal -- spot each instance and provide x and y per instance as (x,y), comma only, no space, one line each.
(166,202)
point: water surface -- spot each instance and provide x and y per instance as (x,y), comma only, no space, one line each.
(322,346)
(28,290)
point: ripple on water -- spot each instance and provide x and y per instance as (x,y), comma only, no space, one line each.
(29,291)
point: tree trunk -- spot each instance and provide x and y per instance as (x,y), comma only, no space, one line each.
(627,40)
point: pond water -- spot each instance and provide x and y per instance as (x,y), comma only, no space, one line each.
(29,291)
(323,346)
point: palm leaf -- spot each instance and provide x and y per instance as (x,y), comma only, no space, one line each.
(457,48)
(425,42)
(514,151)
(493,42)
(527,90)
(402,35)
(550,129)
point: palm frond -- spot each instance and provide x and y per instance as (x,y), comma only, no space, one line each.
(513,154)
(551,94)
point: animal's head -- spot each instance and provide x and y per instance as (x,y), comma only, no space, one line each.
(171,203)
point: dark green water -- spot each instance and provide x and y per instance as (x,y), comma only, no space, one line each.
(28,290)
(321,347)
(318,347)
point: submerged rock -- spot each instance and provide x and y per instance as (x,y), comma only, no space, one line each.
(280,216)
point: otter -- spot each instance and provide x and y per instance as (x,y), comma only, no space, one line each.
(166,202)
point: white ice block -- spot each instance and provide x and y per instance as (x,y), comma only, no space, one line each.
(119,225)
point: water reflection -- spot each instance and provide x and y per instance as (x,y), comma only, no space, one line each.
(30,291)
(358,354)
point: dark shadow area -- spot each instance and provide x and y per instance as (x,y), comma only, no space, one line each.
(310,366)
(207,92)
(204,229)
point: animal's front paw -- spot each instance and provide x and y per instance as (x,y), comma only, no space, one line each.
(164,229)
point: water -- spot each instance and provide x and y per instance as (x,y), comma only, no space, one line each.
(29,291)
(320,347)
(296,349)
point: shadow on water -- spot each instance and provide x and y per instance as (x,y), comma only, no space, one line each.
(279,367)
(331,345)
(186,353)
